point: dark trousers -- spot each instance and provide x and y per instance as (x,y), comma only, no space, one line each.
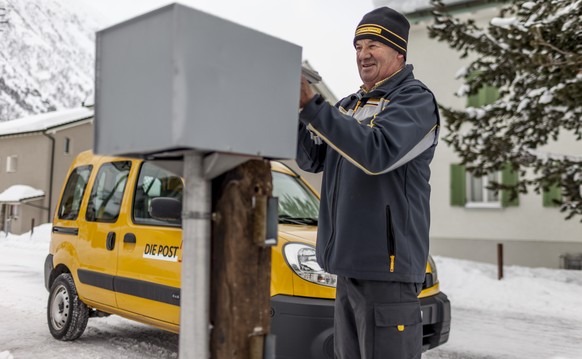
(377,319)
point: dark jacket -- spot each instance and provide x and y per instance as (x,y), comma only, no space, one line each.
(375,149)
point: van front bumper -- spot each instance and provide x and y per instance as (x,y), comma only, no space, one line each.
(436,320)
(304,326)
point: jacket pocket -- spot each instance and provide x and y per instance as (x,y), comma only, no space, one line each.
(390,239)
(398,331)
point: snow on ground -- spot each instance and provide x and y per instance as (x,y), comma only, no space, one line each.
(532,313)
(24,331)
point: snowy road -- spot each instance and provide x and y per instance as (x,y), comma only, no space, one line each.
(23,324)
(486,334)
(533,314)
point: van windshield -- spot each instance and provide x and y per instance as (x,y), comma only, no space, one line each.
(297,203)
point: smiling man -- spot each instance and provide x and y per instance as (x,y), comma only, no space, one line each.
(375,147)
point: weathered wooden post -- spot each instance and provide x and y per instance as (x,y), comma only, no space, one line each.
(241,262)
(177,83)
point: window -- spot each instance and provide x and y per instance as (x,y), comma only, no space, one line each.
(470,191)
(478,193)
(67,146)
(11,163)
(13,211)
(155,182)
(73,193)
(107,192)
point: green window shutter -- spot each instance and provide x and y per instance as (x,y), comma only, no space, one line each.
(458,185)
(509,177)
(485,96)
(489,94)
(473,100)
(554,193)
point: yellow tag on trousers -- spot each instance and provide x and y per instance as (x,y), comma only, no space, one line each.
(401,328)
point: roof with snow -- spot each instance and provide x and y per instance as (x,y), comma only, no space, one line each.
(45,121)
(20,193)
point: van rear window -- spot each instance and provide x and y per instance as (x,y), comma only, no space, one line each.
(73,194)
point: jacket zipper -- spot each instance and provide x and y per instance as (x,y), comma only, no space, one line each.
(390,238)
(327,252)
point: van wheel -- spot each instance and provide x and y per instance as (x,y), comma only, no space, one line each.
(67,315)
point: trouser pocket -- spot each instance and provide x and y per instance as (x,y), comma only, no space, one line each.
(398,331)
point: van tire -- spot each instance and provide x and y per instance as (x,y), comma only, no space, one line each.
(67,315)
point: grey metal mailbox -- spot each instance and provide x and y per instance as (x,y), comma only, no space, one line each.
(177,78)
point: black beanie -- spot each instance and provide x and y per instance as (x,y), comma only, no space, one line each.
(385,25)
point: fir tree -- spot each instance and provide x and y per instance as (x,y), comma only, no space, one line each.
(532,53)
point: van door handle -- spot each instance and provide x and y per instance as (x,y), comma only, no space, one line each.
(66,230)
(129,238)
(110,243)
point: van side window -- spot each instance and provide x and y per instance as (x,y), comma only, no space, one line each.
(73,193)
(155,182)
(107,192)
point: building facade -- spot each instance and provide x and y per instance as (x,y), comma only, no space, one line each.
(37,151)
(468,221)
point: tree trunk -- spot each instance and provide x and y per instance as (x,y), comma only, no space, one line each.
(241,267)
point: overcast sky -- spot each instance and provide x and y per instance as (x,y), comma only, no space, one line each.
(324,28)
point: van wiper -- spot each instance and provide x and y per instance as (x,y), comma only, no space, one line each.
(286,219)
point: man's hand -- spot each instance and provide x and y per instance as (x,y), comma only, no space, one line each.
(306,93)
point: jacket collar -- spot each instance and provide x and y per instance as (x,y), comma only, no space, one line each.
(388,84)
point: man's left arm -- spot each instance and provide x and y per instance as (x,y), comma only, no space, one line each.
(400,132)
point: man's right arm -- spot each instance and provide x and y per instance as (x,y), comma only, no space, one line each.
(311,150)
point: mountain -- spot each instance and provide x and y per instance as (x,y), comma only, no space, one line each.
(47,50)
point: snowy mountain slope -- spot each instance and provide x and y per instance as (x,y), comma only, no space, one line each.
(47,56)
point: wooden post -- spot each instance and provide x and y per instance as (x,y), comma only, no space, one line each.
(499,261)
(241,265)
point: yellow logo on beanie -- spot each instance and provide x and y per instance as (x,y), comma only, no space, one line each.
(368,29)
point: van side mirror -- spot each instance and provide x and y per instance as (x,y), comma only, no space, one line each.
(166,208)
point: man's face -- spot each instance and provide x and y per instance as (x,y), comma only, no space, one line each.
(376,61)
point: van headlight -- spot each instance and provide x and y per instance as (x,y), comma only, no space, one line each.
(301,258)
(433,269)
